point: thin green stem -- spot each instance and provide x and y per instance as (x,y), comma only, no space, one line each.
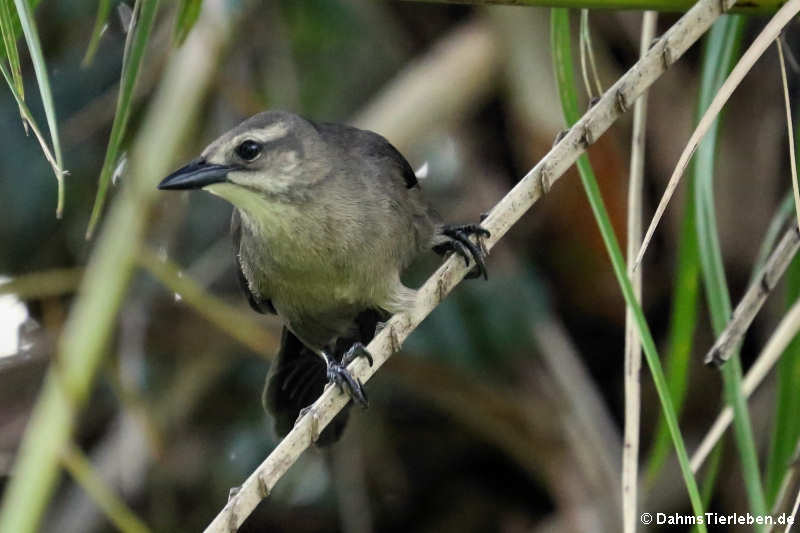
(719,58)
(560,38)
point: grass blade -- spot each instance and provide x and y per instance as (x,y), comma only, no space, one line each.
(786,426)
(560,42)
(188,11)
(100,21)
(721,96)
(135,45)
(27,118)
(25,13)
(682,325)
(715,283)
(10,44)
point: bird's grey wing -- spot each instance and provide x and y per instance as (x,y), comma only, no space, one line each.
(371,145)
(259,305)
(296,378)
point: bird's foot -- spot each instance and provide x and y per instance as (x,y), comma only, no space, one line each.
(233,491)
(356,350)
(460,243)
(339,375)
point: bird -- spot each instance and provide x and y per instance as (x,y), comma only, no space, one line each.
(326,217)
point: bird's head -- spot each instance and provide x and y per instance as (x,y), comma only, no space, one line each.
(270,155)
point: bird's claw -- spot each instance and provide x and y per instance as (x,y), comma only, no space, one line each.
(461,244)
(339,375)
(356,350)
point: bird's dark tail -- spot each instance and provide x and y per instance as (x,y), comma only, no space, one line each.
(297,377)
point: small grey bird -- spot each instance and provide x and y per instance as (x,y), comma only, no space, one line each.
(326,217)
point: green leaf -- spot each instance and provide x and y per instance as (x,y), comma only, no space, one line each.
(562,59)
(9,34)
(720,55)
(682,324)
(100,21)
(25,13)
(188,11)
(786,424)
(144,12)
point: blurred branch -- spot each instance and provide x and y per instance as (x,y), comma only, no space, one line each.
(94,313)
(44,284)
(590,429)
(421,97)
(500,219)
(74,513)
(498,417)
(241,325)
(117,512)
(751,7)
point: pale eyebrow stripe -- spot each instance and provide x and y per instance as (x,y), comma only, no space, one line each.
(265,135)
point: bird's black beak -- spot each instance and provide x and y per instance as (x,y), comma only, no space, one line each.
(196,175)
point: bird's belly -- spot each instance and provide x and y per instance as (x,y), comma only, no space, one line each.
(317,306)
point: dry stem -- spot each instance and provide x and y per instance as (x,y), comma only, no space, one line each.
(507,212)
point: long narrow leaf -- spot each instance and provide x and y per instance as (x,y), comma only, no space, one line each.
(27,117)
(786,423)
(756,49)
(138,36)
(10,44)
(25,13)
(188,11)
(560,42)
(714,278)
(100,21)
(682,325)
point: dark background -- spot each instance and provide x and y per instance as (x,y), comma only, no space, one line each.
(469,427)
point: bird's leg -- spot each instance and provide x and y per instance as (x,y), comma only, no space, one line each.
(356,350)
(459,241)
(339,375)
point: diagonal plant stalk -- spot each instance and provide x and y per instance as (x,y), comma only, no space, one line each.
(754,298)
(25,13)
(100,21)
(784,333)
(82,344)
(789,129)
(242,326)
(722,49)
(528,190)
(188,11)
(713,271)
(10,45)
(743,66)
(786,424)
(144,13)
(682,325)
(123,518)
(560,38)
(27,119)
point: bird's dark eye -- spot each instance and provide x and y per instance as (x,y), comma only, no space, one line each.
(248,150)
